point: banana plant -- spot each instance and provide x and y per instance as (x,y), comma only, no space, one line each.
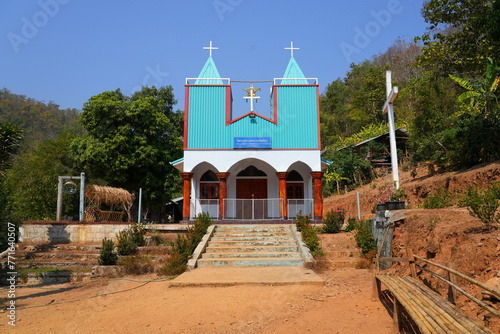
(480,93)
(335,176)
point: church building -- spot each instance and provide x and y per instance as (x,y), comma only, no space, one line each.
(257,166)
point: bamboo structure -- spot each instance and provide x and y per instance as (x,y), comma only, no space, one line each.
(115,198)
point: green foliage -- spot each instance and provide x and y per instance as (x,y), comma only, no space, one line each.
(364,237)
(130,239)
(137,265)
(10,139)
(352,224)
(484,204)
(38,121)
(480,94)
(185,245)
(334,220)
(31,183)
(107,256)
(131,140)
(440,199)
(461,36)
(175,265)
(309,235)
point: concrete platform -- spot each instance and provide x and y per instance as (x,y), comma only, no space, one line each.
(230,276)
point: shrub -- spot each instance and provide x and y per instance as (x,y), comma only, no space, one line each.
(175,265)
(334,220)
(484,204)
(137,265)
(364,237)
(440,199)
(185,245)
(351,224)
(130,239)
(107,257)
(309,235)
(301,221)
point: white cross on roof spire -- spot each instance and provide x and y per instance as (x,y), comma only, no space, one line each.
(291,48)
(210,48)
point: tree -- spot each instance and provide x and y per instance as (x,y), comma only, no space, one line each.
(131,141)
(461,36)
(31,184)
(10,139)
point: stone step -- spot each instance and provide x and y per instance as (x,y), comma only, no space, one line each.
(251,255)
(253,228)
(257,234)
(56,255)
(252,237)
(253,243)
(253,262)
(264,249)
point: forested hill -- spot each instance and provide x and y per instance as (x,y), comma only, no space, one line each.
(38,120)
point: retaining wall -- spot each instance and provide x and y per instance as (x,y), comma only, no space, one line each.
(69,232)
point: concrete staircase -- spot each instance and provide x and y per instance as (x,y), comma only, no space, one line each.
(252,246)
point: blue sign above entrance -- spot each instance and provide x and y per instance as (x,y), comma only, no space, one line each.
(252,142)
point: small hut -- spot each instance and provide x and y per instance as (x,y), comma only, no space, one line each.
(117,200)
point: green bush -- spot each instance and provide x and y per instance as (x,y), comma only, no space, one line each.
(309,235)
(484,204)
(107,257)
(334,220)
(175,265)
(364,237)
(185,245)
(130,239)
(351,224)
(440,199)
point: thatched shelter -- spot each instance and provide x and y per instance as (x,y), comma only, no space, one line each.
(115,198)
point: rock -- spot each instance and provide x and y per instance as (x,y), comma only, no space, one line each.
(495,284)
(432,249)
(106,271)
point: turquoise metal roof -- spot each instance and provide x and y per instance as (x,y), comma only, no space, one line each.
(293,71)
(209,71)
(296,124)
(176,161)
(326,161)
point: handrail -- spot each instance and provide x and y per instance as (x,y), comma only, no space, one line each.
(462,291)
(459,274)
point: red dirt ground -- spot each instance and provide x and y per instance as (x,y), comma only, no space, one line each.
(343,305)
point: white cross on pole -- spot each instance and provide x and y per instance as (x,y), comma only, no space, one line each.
(251,95)
(392,93)
(210,48)
(291,48)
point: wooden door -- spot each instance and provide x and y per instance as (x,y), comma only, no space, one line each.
(245,188)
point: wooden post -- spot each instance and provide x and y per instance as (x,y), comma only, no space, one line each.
(222,192)
(282,181)
(413,269)
(396,316)
(187,194)
(318,195)
(452,292)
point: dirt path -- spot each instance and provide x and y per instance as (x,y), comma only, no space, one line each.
(342,305)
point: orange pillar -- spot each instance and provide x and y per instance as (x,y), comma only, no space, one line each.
(318,195)
(282,177)
(222,192)
(187,194)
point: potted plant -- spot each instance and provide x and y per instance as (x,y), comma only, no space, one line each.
(389,198)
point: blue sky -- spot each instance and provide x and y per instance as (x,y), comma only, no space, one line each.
(67,50)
